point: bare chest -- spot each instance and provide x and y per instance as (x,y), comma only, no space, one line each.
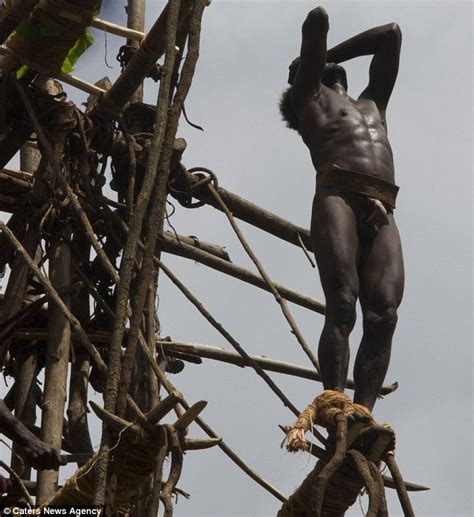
(334,117)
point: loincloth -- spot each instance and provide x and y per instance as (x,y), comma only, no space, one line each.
(359,184)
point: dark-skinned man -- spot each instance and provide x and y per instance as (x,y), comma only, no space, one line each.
(353,231)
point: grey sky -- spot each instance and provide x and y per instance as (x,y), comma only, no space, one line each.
(246,48)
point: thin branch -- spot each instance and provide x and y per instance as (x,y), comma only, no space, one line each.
(284,307)
(175,471)
(258,369)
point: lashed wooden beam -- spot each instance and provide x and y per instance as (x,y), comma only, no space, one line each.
(180,348)
(117,30)
(184,250)
(173,242)
(253,214)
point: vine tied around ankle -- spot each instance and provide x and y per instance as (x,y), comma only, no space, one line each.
(322,411)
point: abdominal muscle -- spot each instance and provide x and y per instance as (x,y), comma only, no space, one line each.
(350,136)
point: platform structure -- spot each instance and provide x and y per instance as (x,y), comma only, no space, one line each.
(83,269)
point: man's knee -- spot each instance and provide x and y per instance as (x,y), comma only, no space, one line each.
(381,322)
(341,311)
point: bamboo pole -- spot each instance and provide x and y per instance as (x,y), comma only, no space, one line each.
(182,348)
(252,214)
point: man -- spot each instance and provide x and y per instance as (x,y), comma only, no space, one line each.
(353,230)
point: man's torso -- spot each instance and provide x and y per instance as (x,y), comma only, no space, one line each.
(346,134)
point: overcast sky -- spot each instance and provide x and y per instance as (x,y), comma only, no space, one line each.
(246,48)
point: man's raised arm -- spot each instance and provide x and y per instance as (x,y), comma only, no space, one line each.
(312,58)
(384,43)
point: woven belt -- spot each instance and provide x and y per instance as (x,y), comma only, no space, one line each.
(359,184)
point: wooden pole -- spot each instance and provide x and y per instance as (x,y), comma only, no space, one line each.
(150,50)
(118,30)
(57,358)
(252,214)
(128,257)
(182,249)
(78,429)
(155,221)
(181,349)
(59,335)
(26,357)
(136,21)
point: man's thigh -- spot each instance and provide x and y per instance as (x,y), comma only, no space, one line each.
(335,242)
(381,269)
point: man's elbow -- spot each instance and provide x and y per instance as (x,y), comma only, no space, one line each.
(393,30)
(317,19)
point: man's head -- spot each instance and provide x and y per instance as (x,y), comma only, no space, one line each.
(332,74)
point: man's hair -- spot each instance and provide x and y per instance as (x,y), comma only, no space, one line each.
(287,110)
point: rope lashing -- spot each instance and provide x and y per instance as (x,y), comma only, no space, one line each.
(56,27)
(183,188)
(322,411)
(136,454)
